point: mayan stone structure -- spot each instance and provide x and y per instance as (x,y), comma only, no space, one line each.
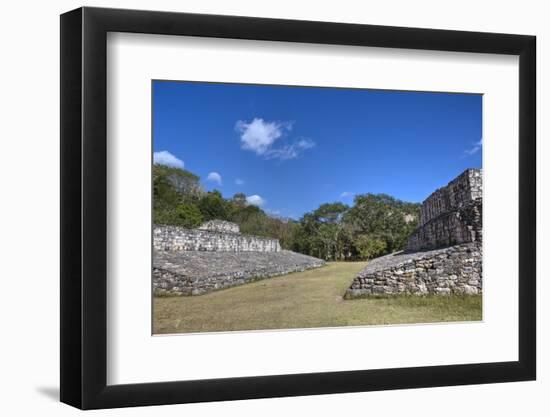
(215,256)
(174,238)
(220,226)
(443,256)
(451,215)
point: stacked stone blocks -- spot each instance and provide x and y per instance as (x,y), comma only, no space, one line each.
(464,189)
(452,270)
(451,215)
(174,238)
(220,226)
(196,273)
(215,256)
(443,256)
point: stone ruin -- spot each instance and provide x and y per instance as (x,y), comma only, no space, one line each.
(443,255)
(215,256)
(212,236)
(220,226)
(451,215)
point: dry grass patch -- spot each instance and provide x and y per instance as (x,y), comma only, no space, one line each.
(306,299)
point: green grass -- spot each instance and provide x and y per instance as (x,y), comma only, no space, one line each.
(305,299)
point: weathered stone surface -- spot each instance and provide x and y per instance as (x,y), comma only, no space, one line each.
(451,228)
(451,215)
(453,270)
(195,272)
(220,226)
(174,238)
(215,256)
(465,188)
(443,256)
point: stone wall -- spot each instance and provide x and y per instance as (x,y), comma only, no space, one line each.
(174,238)
(216,256)
(451,215)
(453,270)
(220,226)
(451,228)
(442,256)
(464,189)
(196,273)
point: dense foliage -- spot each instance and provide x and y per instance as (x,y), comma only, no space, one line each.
(374,225)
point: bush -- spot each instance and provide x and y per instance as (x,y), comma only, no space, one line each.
(213,206)
(185,215)
(370,247)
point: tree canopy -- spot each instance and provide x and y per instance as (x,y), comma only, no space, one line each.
(376,224)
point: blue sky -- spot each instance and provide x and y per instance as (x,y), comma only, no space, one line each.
(289,149)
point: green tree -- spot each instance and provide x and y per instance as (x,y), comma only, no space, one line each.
(321,230)
(164,194)
(374,225)
(370,247)
(383,217)
(239,199)
(187,215)
(213,206)
(330,213)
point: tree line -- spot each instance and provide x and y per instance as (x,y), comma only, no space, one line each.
(375,225)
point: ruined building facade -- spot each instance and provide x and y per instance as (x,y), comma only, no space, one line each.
(443,255)
(451,215)
(216,256)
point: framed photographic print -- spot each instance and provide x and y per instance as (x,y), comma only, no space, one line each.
(256,208)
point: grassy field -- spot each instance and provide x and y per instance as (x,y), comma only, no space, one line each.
(305,299)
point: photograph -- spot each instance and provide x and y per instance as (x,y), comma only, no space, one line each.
(275,205)
(293,207)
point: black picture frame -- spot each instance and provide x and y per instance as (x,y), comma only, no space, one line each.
(84,207)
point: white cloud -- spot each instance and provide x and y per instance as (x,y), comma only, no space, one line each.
(214,177)
(305,143)
(238,181)
(258,135)
(290,151)
(347,194)
(255,200)
(474,149)
(166,158)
